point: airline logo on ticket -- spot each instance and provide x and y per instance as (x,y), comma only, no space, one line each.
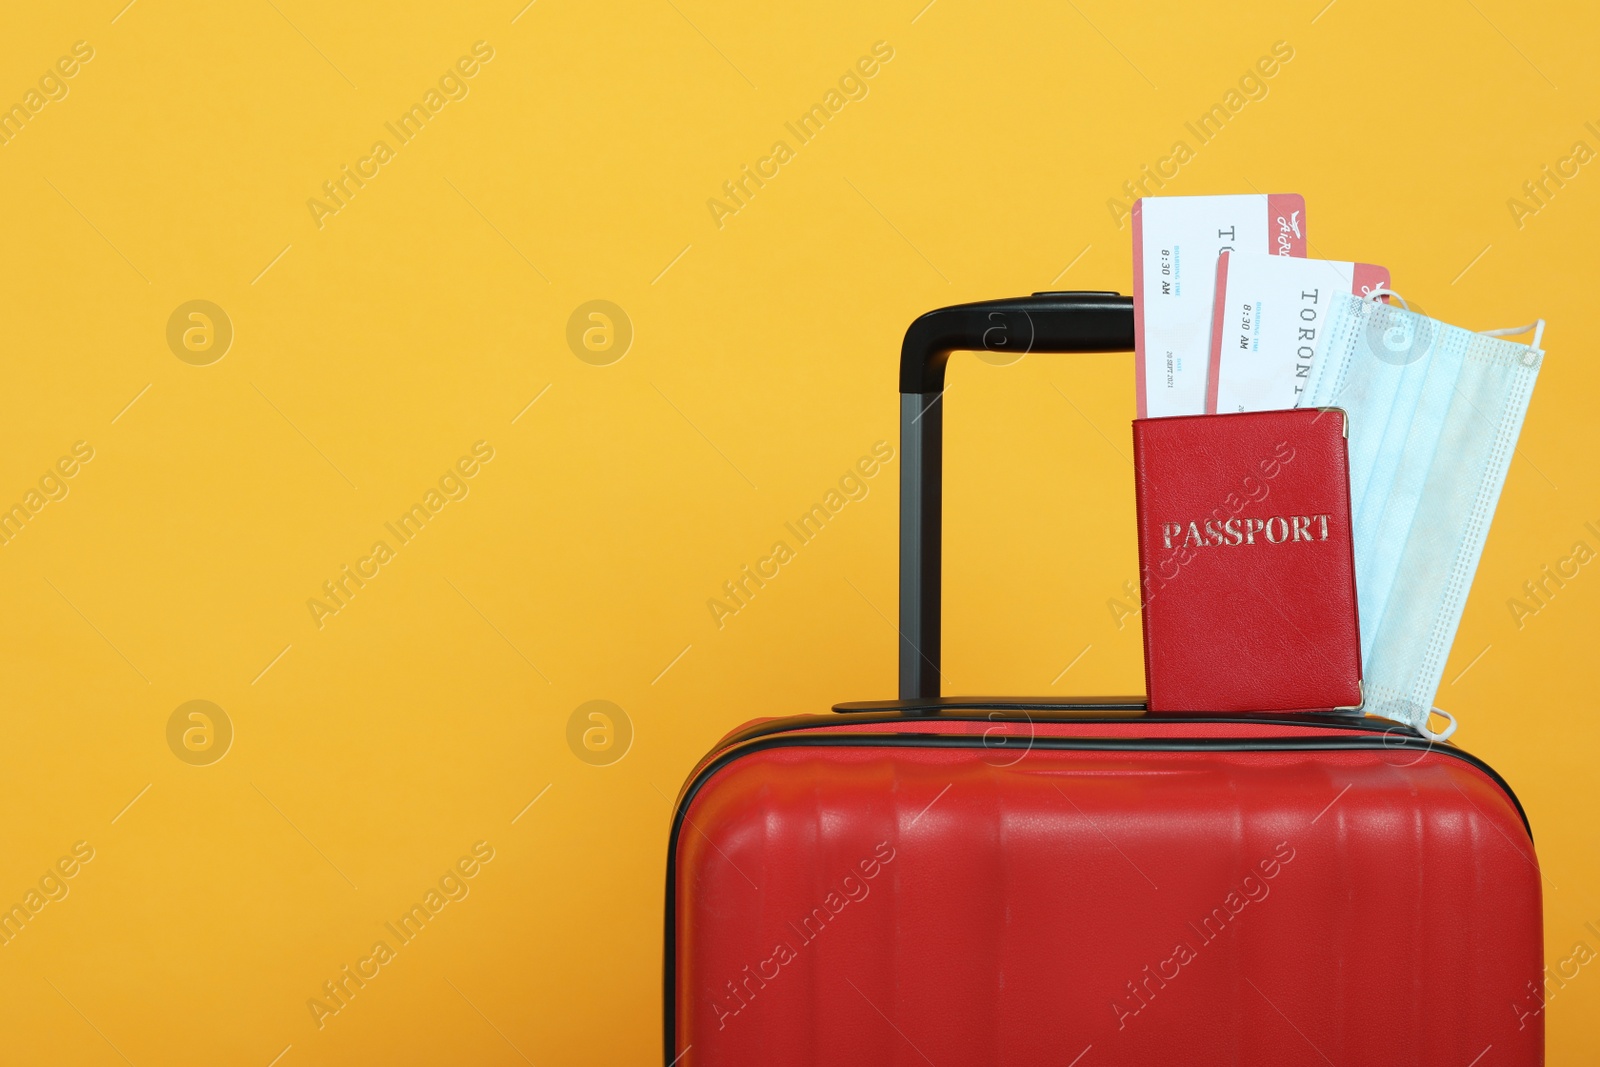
(1267,324)
(1176,242)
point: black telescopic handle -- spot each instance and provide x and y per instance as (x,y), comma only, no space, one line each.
(1043,322)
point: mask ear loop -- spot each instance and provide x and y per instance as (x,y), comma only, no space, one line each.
(1536,326)
(1375,294)
(1442,735)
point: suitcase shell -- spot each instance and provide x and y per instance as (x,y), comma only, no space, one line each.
(1025,886)
(938,880)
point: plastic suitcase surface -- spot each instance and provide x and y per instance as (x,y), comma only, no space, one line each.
(959,881)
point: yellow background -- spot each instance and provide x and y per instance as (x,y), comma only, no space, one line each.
(370,353)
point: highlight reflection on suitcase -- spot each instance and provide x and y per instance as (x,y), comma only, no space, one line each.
(958,881)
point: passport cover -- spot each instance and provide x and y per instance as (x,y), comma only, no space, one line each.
(1245,560)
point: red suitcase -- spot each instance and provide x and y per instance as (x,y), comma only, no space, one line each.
(952,881)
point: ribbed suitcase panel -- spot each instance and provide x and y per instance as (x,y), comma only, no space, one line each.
(953,906)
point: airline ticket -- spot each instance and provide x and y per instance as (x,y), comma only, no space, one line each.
(1176,242)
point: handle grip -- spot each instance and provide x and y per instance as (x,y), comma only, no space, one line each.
(1043,322)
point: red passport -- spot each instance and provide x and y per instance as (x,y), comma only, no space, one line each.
(1246,563)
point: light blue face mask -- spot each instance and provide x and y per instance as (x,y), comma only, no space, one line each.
(1434,414)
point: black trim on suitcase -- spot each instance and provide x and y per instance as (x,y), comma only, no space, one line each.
(1050,712)
(780,734)
(934,705)
(1132,707)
